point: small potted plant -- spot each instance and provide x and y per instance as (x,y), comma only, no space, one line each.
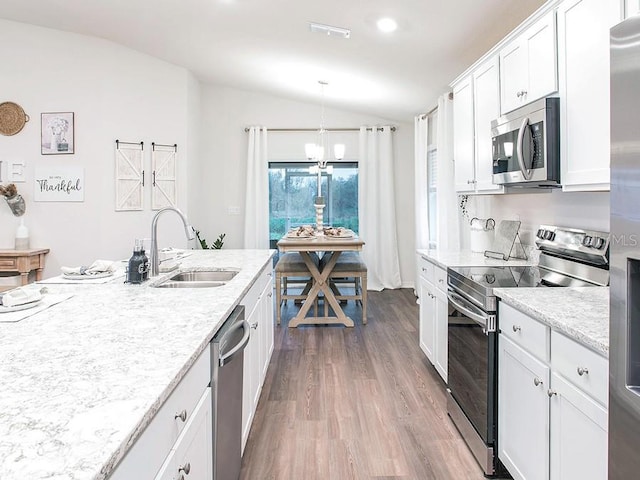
(14,199)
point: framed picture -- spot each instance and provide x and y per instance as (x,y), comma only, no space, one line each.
(57,133)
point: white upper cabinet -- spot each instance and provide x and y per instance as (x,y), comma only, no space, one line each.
(476,102)
(583,58)
(631,8)
(463,135)
(486,101)
(528,66)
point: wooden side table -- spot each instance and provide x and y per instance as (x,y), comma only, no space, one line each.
(23,262)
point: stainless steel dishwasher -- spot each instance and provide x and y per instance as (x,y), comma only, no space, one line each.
(227,358)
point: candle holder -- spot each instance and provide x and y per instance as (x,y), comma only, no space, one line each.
(319,204)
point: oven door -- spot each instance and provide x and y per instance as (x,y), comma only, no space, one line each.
(472,365)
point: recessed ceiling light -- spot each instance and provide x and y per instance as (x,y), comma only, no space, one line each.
(387,25)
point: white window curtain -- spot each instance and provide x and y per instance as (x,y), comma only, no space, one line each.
(421,131)
(448,234)
(256,220)
(376,208)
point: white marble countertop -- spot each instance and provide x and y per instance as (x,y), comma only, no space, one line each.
(467,258)
(80,378)
(580,313)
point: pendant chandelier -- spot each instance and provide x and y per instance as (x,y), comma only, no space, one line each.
(315,152)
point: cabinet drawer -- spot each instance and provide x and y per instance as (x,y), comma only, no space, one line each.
(426,269)
(583,367)
(148,453)
(440,279)
(9,264)
(530,334)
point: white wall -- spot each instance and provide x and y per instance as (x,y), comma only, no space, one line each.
(588,210)
(225,114)
(115,93)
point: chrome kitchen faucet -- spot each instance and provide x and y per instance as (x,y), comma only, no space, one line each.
(188,230)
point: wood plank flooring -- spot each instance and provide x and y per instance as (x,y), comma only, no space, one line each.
(355,403)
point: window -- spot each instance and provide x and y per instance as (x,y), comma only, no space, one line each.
(432,177)
(292,190)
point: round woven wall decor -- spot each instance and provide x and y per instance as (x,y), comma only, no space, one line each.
(12,118)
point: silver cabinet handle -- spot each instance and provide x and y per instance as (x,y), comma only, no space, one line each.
(270,294)
(537,382)
(440,280)
(516,328)
(424,269)
(519,94)
(182,415)
(186,468)
(583,370)
(551,393)
(254,325)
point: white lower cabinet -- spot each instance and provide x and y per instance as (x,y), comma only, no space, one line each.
(185,414)
(552,409)
(578,434)
(258,304)
(433,315)
(192,457)
(523,412)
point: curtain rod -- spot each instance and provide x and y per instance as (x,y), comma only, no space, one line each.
(423,115)
(393,129)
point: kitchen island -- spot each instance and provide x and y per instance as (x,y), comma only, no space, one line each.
(82,379)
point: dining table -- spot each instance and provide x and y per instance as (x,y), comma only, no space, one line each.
(324,245)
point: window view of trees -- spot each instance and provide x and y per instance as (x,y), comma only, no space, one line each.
(292,190)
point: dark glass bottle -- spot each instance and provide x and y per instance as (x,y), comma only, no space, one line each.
(138,270)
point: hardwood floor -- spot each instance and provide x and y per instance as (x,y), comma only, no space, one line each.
(355,403)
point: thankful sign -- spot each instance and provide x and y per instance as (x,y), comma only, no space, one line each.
(59,184)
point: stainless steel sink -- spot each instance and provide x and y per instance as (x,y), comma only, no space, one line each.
(198,279)
(188,284)
(204,276)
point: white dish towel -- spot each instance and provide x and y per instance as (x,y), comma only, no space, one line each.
(99,266)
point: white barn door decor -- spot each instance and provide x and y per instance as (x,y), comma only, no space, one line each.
(164,159)
(129,175)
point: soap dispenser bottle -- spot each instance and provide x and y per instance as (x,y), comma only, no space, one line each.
(138,270)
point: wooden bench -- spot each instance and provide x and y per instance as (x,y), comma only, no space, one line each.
(350,269)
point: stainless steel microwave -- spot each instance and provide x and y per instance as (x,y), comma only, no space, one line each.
(526,145)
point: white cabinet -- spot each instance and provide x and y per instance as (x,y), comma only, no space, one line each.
(433,314)
(552,396)
(486,99)
(528,67)
(149,455)
(463,136)
(583,47)
(578,433)
(192,456)
(631,8)
(476,102)
(258,303)
(523,412)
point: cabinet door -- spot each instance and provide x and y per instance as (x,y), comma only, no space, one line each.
(427,317)
(523,412)
(583,46)
(632,7)
(250,376)
(463,136)
(486,108)
(513,75)
(540,44)
(192,455)
(578,434)
(441,324)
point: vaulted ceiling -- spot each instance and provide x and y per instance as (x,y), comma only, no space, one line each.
(266,45)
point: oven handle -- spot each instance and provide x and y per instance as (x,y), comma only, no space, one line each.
(480,319)
(526,173)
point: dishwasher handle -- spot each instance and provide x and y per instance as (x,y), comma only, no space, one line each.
(239,347)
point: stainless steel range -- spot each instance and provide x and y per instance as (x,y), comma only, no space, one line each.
(568,258)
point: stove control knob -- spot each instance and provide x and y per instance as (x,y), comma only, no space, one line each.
(540,233)
(548,235)
(587,241)
(598,242)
